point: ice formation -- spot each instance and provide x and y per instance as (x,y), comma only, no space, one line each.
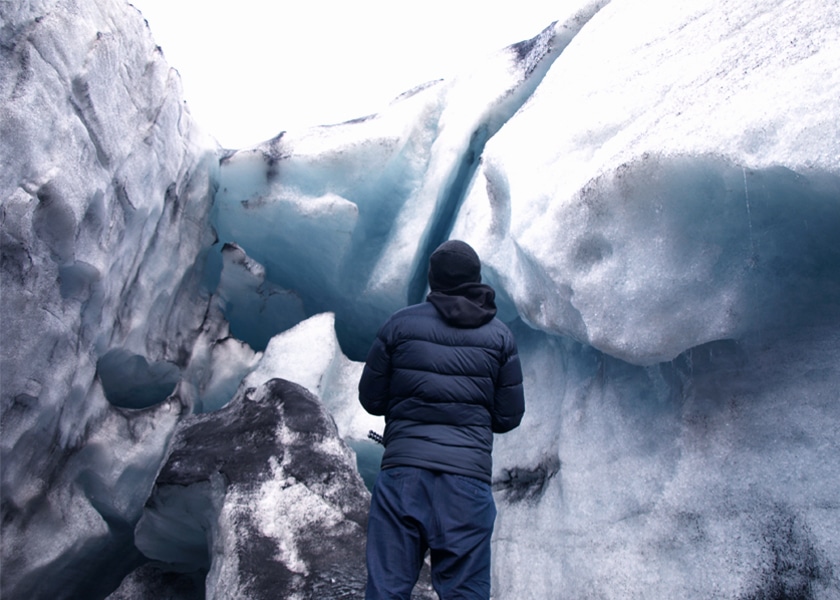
(654,188)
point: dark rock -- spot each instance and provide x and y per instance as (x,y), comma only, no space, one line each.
(521,483)
(265,496)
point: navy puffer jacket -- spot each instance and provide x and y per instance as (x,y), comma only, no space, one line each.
(446,375)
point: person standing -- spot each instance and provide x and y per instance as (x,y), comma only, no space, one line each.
(446,375)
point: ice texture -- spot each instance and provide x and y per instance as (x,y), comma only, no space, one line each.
(667,205)
(352,211)
(310,354)
(671,233)
(654,190)
(105,189)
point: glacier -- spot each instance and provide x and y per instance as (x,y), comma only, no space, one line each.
(654,190)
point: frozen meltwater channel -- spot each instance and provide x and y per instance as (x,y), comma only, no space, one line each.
(654,189)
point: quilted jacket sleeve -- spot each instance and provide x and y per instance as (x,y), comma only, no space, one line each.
(375,382)
(509,404)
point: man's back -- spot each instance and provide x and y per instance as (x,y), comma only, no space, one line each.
(444,390)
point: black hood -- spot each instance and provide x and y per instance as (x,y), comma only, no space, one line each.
(457,292)
(467,305)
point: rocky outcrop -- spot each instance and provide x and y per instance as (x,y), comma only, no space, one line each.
(265,497)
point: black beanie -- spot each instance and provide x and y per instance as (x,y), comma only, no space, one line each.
(453,263)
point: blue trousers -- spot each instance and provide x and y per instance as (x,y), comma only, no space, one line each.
(413,510)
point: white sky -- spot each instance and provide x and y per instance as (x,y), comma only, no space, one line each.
(253,68)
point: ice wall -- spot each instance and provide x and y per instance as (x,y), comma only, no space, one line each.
(672,232)
(105,187)
(670,206)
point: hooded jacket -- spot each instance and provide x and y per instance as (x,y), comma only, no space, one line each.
(446,375)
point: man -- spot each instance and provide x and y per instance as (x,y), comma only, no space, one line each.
(446,375)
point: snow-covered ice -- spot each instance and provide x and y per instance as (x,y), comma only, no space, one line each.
(654,189)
